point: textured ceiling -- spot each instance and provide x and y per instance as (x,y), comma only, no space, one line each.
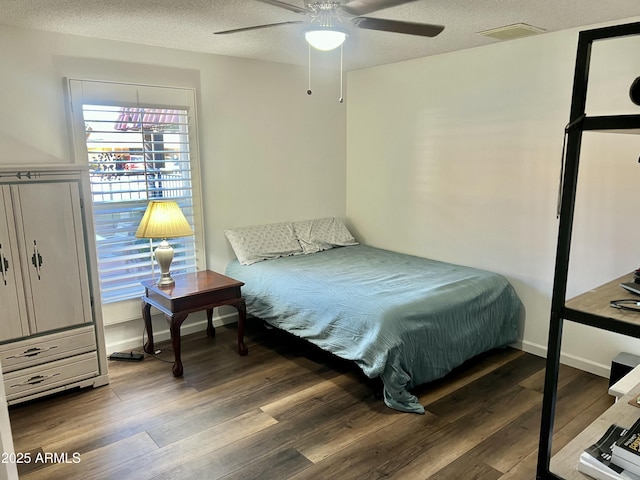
(189,24)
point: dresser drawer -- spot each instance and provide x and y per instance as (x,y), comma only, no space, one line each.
(42,349)
(51,375)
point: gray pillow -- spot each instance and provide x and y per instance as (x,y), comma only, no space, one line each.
(262,242)
(322,234)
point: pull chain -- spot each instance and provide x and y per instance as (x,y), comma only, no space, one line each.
(341,99)
(309,92)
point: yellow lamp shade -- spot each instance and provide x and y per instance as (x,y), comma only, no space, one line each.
(163,219)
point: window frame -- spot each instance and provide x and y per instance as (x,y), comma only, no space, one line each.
(93,92)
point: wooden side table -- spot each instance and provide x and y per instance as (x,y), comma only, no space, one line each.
(192,292)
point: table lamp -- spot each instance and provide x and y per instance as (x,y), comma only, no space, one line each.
(163,219)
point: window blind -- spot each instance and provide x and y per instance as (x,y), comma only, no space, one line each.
(136,154)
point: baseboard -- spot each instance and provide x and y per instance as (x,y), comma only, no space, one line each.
(159,335)
(570,360)
(200,326)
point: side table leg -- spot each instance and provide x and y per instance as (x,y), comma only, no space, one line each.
(146,316)
(175,322)
(211,331)
(242,316)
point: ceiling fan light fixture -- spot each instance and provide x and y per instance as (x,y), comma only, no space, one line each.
(325,39)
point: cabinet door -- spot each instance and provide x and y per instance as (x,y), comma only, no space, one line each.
(54,255)
(13,321)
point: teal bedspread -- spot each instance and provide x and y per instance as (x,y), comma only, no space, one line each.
(406,319)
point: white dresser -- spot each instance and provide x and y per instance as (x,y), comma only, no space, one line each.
(51,330)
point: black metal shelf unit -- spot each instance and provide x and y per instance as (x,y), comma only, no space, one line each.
(578,123)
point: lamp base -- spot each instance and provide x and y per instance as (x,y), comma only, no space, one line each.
(164,257)
(166,281)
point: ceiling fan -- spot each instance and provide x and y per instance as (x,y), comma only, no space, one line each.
(326,19)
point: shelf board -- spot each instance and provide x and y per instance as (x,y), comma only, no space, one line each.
(620,413)
(592,308)
(629,124)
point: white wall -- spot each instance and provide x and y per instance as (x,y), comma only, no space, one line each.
(269,152)
(457,157)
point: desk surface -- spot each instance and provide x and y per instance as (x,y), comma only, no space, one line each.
(597,300)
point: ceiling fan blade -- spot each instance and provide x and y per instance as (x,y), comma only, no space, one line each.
(361,7)
(257,27)
(286,6)
(398,26)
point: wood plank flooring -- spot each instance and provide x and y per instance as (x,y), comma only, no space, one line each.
(289,411)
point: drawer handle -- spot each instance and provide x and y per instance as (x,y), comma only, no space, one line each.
(36,379)
(36,259)
(4,266)
(32,352)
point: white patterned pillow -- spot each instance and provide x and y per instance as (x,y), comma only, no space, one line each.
(263,242)
(322,234)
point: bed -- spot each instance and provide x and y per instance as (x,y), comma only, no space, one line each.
(406,319)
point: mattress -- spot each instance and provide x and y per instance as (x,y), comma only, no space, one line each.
(406,319)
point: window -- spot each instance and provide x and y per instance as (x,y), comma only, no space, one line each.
(135,154)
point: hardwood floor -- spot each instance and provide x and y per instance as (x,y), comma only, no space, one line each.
(289,411)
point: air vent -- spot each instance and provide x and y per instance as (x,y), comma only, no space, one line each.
(511,32)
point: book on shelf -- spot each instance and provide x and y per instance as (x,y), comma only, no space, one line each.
(596,460)
(591,467)
(626,450)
